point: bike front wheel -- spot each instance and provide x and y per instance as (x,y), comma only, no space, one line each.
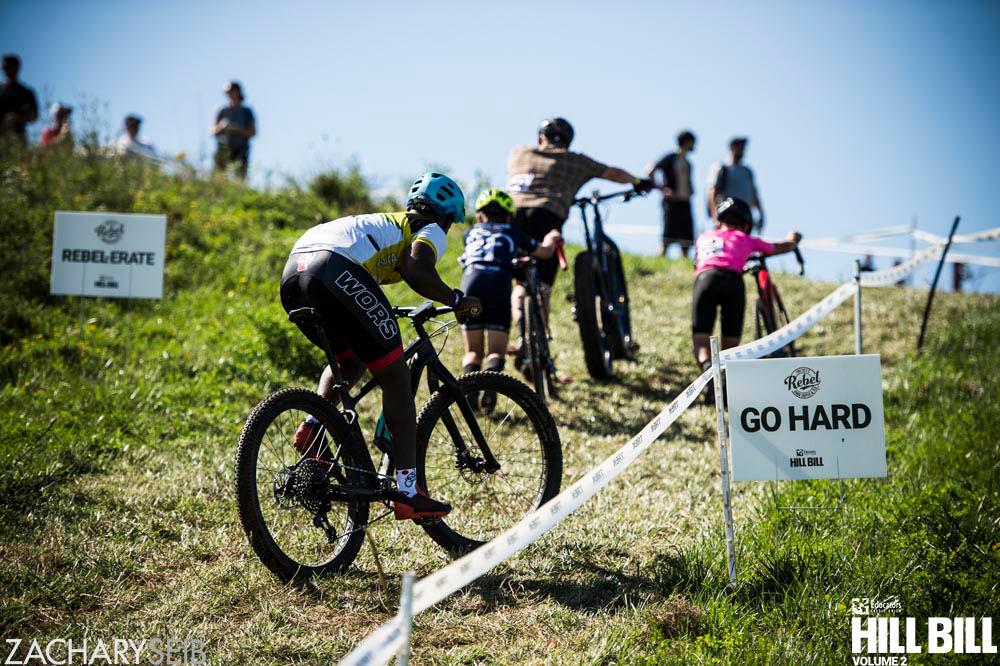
(523,438)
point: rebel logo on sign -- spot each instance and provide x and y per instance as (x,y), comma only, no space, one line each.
(110,231)
(803,382)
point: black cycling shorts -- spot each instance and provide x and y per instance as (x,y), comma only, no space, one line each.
(537,222)
(492,288)
(721,289)
(357,317)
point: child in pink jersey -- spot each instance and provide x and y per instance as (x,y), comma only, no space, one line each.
(720,255)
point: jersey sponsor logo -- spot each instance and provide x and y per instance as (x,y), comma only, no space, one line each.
(520,182)
(367,301)
(303,261)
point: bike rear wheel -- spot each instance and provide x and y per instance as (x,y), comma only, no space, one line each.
(537,347)
(522,437)
(285,504)
(767,322)
(590,308)
(618,325)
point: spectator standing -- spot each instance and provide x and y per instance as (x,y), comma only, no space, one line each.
(234,126)
(676,176)
(59,133)
(18,105)
(733,179)
(543,180)
(128,144)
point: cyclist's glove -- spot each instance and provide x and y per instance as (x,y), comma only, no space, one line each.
(643,185)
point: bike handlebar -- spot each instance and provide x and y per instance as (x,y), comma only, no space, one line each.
(422,312)
(596,197)
(802,262)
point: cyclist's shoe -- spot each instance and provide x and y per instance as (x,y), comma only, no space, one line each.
(310,441)
(488,401)
(418,507)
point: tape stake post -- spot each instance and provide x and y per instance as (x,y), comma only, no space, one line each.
(406,616)
(727,506)
(857,306)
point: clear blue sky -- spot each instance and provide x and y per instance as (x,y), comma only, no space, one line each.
(861,114)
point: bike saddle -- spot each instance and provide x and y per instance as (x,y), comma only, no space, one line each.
(306,316)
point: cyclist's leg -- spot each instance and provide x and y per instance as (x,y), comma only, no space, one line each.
(703,312)
(540,221)
(473,338)
(733,308)
(299,291)
(497,350)
(474,285)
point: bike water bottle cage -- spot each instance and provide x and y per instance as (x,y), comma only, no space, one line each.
(495,195)
(437,193)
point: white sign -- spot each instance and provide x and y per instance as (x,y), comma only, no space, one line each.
(108,254)
(806,418)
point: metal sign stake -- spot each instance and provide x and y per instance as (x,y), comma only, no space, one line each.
(727,507)
(857,306)
(406,615)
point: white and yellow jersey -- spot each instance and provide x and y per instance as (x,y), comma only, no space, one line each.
(378,242)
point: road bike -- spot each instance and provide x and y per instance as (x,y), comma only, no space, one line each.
(770,313)
(305,512)
(535,358)
(601,301)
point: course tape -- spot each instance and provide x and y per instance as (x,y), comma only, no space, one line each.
(382,644)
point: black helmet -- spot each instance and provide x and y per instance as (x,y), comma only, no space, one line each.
(557,130)
(735,212)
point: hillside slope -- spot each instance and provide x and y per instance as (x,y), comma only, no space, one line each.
(118,425)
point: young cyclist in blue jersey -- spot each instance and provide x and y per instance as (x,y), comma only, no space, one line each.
(337,268)
(490,249)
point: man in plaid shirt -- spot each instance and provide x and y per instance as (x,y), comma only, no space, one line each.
(544,180)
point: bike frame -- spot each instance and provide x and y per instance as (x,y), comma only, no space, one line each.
(421,356)
(596,241)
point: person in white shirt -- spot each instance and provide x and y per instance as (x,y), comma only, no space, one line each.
(128,144)
(734,180)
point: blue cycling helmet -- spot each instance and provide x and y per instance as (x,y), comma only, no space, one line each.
(440,193)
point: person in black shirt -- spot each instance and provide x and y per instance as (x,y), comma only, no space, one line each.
(234,126)
(18,105)
(491,246)
(675,170)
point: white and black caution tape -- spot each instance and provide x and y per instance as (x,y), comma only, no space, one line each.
(380,646)
(856,245)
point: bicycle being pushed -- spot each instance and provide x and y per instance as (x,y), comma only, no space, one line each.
(770,313)
(535,358)
(601,305)
(305,511)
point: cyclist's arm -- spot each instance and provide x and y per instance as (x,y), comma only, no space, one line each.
(789,244)
(420,273)
(547,247)
(617,175)
(711,202)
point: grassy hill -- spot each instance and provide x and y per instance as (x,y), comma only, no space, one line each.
(118,426)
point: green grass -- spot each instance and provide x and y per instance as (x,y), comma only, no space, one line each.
(118,425)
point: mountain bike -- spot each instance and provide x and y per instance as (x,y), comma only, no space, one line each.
(535,358)
(601,305)
(305,512)
(770,313)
